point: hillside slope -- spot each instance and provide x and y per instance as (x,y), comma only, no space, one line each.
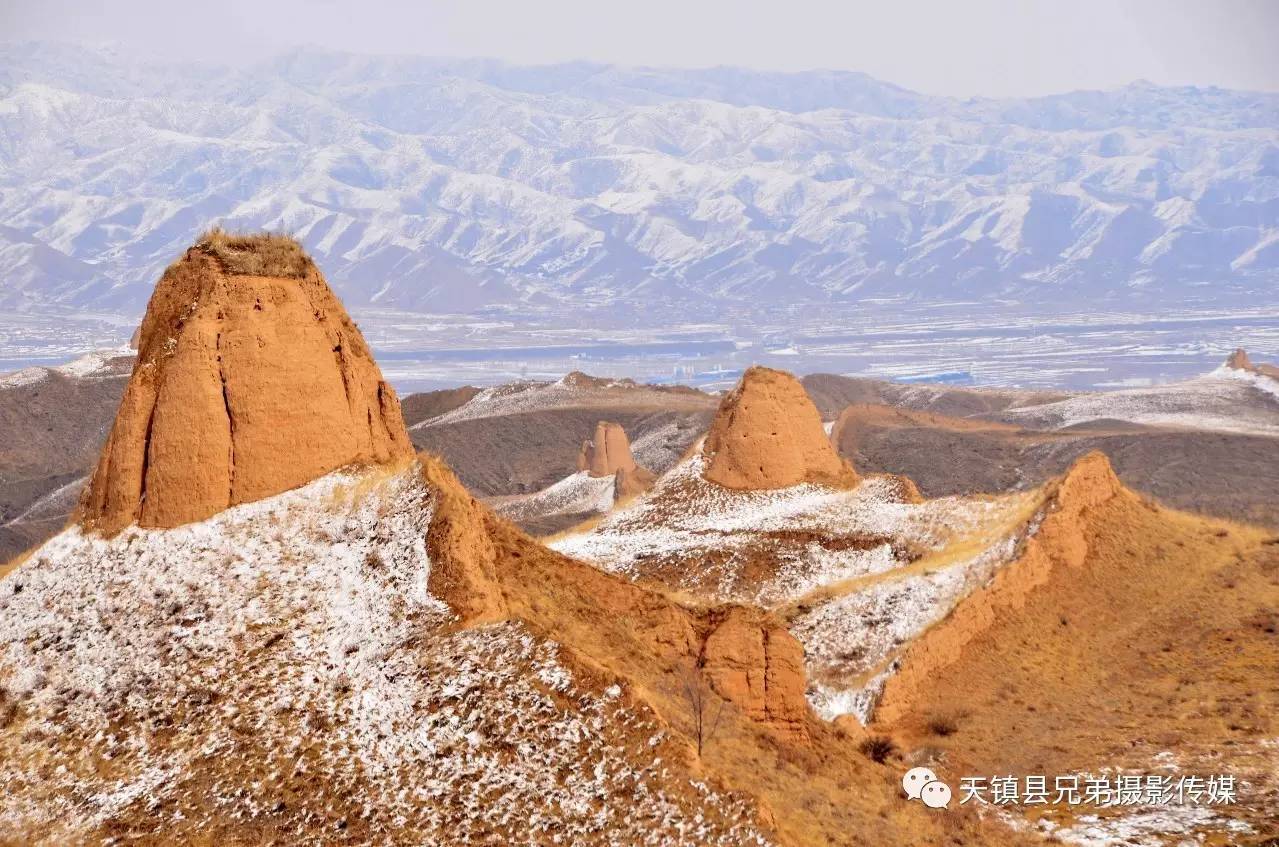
(52,425)
(541,426)
(1124,636)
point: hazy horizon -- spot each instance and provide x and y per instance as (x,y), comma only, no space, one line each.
(983,49)
(251,61)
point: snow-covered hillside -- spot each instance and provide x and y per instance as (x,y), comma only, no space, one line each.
(855,573)
(451,185)
(282,666)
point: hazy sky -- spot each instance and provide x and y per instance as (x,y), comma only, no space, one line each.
(959,47)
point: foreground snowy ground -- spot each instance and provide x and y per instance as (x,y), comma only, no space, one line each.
(283,665)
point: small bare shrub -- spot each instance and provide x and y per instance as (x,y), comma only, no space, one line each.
(878,748)
(943,726)
(705,707)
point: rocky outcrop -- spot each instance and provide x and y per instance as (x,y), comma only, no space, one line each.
(768,434)
(1058,549)
(459,542)
(609,454)
(1240,361)
(755,664)
(245,386)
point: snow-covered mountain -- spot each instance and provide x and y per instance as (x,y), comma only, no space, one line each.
(451,185)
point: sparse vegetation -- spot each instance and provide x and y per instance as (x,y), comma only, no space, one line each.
(943,726)
(8,708)
(256,254)
(878,748)
(705,707)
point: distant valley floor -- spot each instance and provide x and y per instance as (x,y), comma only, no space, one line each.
(998,345)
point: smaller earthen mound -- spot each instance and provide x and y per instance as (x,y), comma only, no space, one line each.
(759,666)
(609,454)
(1240,361)
(768,434)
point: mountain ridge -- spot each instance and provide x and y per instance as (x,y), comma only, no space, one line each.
(456,186)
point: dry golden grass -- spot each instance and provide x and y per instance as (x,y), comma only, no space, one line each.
(576,529)
(10,566)
(813,792)
(256,254)
(368,478)
(1016,510)
(1164,640)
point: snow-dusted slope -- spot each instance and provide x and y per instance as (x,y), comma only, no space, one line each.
(1225,400)
(576,494)
(856,573)
(280,669)
(450,185)
(100,364)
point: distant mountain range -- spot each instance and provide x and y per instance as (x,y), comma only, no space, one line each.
(459,185)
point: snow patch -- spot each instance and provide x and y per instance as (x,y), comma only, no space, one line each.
(1189,825)
(579,493)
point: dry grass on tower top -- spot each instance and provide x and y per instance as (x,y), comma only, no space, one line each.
(256,254)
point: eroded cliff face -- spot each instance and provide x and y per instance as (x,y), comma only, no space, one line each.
(754,663)
(768,434)
(464,556)
(1057,551)
(609,454)
(245,386)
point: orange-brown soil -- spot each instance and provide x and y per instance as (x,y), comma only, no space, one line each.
(813,783)
(768,434)
(609,454)
(245,386)
(1122,632)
